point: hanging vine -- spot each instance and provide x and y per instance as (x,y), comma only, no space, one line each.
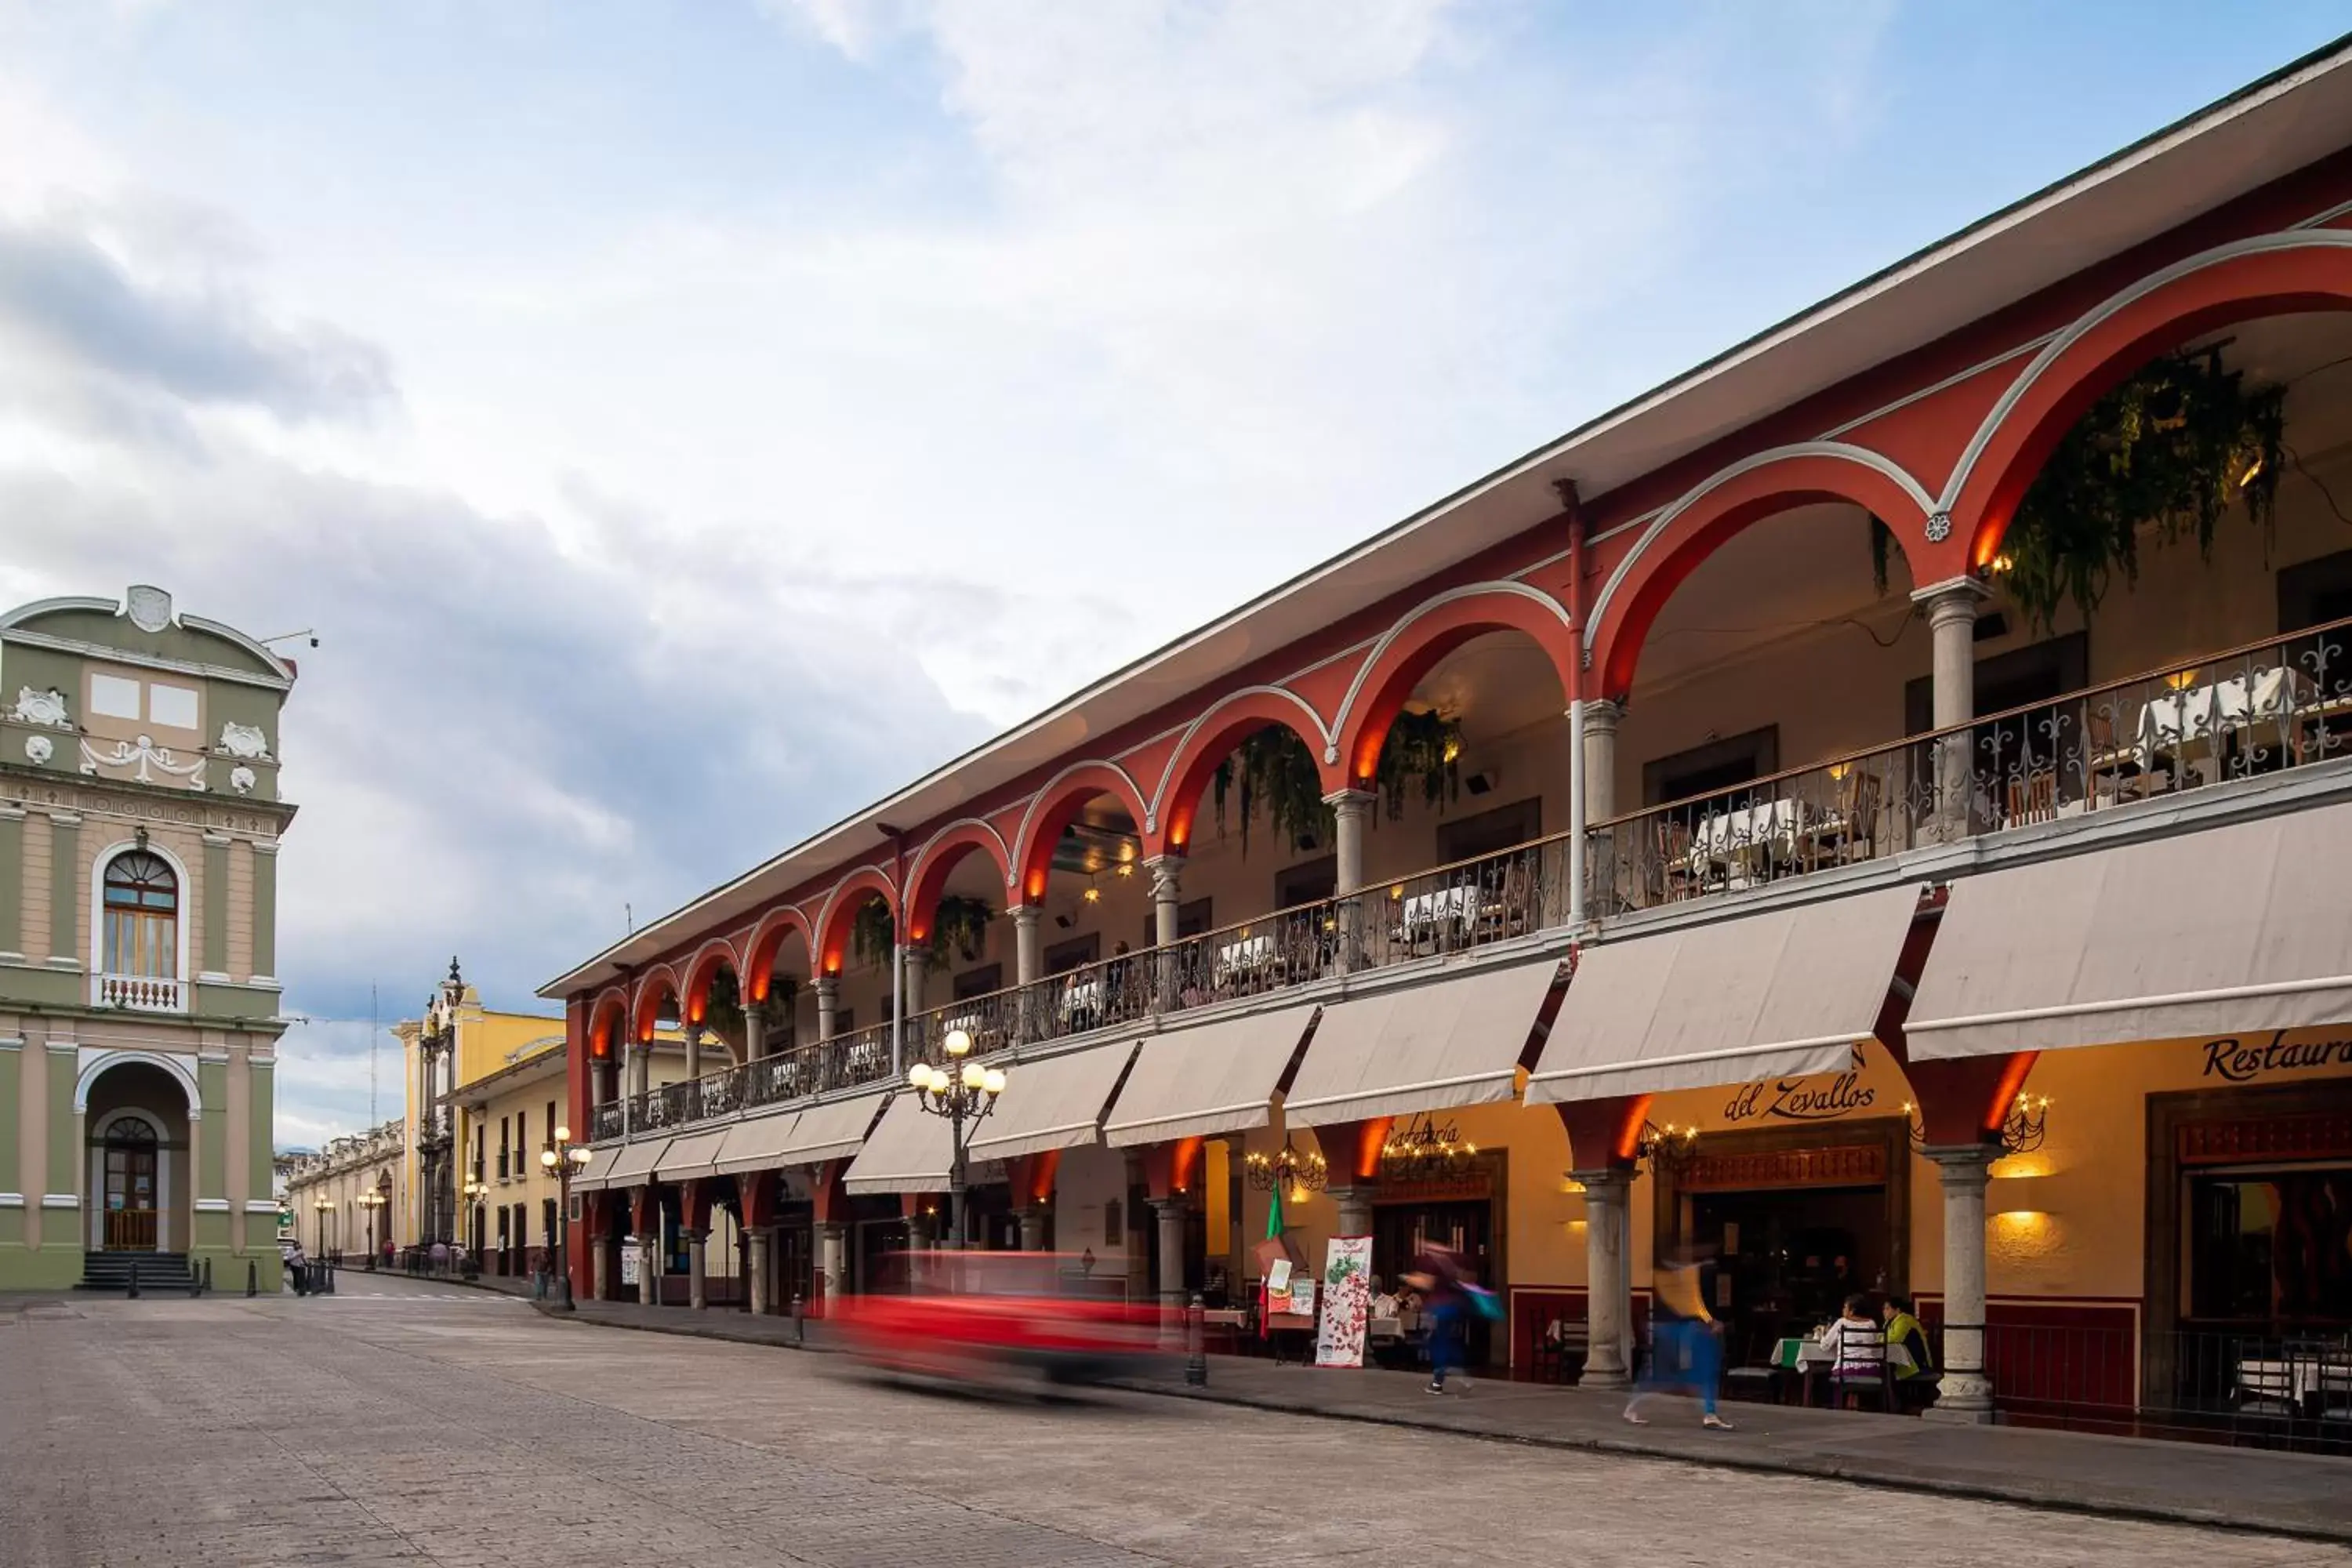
(723,1008)
(960,926)
(2167,452)
(872,933)
(1276,772)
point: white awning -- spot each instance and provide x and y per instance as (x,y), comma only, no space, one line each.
(1788,992)
(1057,1103)
(2243,930)
(833,1130)
(1429,1048)
(691,1156)
(634,1166)
(597,1174)
(1200,1082)
(757,1145)
(910,1152)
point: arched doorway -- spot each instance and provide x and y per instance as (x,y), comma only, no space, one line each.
(138,1166)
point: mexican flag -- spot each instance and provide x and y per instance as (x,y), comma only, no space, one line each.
(1264,1292)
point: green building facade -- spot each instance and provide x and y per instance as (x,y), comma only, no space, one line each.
(140,819)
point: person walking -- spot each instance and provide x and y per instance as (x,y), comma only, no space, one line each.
(1445,1294)
(1684,1354)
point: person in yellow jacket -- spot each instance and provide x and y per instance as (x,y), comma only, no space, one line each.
(1684,1354)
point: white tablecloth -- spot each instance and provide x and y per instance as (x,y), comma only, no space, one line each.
(1423,912)
(1727,834)
(2200,712)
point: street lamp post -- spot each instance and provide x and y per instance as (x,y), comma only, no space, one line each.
(476,1190)
(563,1159)
(322,1207)
(964,1097)
(372,1201)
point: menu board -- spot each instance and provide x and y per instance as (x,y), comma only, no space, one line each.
(1347,1301)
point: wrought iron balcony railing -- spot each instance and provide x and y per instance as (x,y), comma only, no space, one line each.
(2282,703)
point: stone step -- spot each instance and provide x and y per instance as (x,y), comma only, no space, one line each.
(157,1270)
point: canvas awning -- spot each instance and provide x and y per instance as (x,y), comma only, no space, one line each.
(1057,1103)
(1214,1079)
(833,1130)
(757,1145)
(1430,1048)
(634,1166)
(910,1152)
(2240,930)
(1788,992)
(597,1174)
(691,1156)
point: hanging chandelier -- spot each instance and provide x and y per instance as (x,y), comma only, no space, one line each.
(1668,1149)
(1426,1151)
(1287,1170)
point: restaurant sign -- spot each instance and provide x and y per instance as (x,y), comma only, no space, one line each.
(2242,1058)
(1813,1098)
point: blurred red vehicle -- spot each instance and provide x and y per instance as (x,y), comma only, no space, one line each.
(999,1317)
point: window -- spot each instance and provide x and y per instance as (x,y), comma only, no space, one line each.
(1308,882)
(523,1136)
(979,981)
(1490,832)
(2272,1249)
(1064,956)
(1191,920)
(171,705)
(1716,766)
(142,916)
(113,696)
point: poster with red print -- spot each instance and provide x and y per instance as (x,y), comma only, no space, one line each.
(1347,1301)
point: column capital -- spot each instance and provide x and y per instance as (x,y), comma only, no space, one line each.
(1963,1165)
(1350,802)
(1029,914)
(1952,597)
(1609,1182)
(1601,715)
(694,1034)
(1166,881)
(827,984)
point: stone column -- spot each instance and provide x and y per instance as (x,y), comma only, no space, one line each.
(697,1293)
(600,1269)
(1033,1228)
(1028,950)
(1609,1293)
(693,1054)
(1601,719)
(833,1261)
(1172,1212)
(1139,1264)
(1167,894)
(920,1227)
(759,1239)
(918,964)
(649,1269)
(1355,1206)
(1352,808)
(1952,622)
(828,1005)
(1964,1392)
(1237,1257)
(755,1030)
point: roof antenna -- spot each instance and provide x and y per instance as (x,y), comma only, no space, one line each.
(372,1035)
(629,919)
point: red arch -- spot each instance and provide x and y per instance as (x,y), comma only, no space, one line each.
(611,1013)
(1413,647)
(940,856)
(652,987)
(2307,272)
(1721,508)
(1053,810)
(700,970)
(768,941)
(841,907)
(1212,740)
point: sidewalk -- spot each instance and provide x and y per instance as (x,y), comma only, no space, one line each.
(2180,1483)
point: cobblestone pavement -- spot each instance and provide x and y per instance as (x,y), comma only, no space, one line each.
(408,1424)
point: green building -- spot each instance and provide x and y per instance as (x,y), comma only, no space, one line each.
(140,816)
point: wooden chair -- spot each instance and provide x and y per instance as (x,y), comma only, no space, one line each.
(2033,798)
(1860,797)
(1865,1376)
(1678,878)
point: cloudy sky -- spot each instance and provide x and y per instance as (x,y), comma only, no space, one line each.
(683,422)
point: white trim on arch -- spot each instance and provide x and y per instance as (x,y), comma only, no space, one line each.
(2253,245)
(1159,802)
(928,852)
(94,1157)
(95,1059)
(1046,790)
(1845,450)
(1381,645)
(181,917)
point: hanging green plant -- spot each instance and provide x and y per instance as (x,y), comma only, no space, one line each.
(1277,773)
(1424,748)
(872,933)
(960,926)
(723,1008)
(1882,545)
(2169,451)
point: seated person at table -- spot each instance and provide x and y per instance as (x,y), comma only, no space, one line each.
(1856,1344)
(1916,1384)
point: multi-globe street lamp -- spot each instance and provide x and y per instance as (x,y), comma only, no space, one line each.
(322,1207)
(563,1159)
(964,1096)
(373,1201)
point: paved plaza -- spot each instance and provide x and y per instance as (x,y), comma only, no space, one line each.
(409,1423)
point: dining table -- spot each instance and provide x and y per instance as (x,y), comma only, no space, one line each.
(1805,1354)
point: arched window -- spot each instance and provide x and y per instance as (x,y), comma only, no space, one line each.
(142,916)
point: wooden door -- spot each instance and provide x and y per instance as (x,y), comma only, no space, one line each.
(130,1196)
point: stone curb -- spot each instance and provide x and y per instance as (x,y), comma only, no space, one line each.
(2024,1493)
